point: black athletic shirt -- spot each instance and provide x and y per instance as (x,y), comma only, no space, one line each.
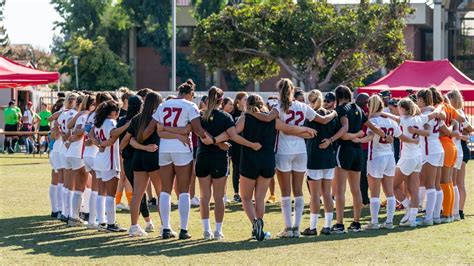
(127,152)
(122,113)
(133,130)
(356,118)
(236,148)
(321,158)
(263,133)
(218,122)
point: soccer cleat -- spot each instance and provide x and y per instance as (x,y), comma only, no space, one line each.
(259,233)
(93,226)
(254,229)
(208,235)
(310,232)
(63,218)
(287,233)
(183,234)
(218,235)
(152,202)
(338,229)
(59,215)
(325,231)
(437,220)
(150,228)
(445,220)
(102,227)
(195,201)
(388,226)
(372,226)
(426,222)
(405,217)
(237,198)
(355,227)
(115,228)
(76,222)
(411,224)
(54,215)
(122,207)
(296,232)
(461,214)
(136,231)
(166,234)
(271,199)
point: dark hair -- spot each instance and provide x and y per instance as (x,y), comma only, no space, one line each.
(152,101)
(87,102)
(187,87)
(11,103)
(238,97)
(143,92)
(342,93)
(298,92)
(102,97)
(426,95)
(214,100)
(437,96)
(126,93)
(226,101)
(58,105)
(114,96)
(134,108)
(103,111)
(255,104)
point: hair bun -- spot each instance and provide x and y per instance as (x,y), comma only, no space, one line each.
(190,82)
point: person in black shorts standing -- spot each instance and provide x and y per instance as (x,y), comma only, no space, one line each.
(349,157)
(240,104)
(212,165)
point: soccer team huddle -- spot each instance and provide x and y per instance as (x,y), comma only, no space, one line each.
(299,140)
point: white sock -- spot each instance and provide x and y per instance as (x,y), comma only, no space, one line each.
(149,222)
(286,210)
(430,203)
(59,196)
(206,225)
(421,196)
(100,208)
(438,204)
(456,201)
(391,204)
(374,210)
(93,207)
(406,204)
(76,204)
(299,208)
(70,194)
(53,197)
(65,202)
(110,209)
(184,208)
(313,221)
(328,216)
(85,200)
(413,213)
(165,208)
(219,227)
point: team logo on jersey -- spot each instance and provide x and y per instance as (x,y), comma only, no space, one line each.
(357,113)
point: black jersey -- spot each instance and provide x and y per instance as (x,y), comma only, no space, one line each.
(263,133)
(134,128)
(356,118)
(127,152)
(321,158)
(218,122)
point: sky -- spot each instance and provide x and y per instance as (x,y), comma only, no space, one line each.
(30,22)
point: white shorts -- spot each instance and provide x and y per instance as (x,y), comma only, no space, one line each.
(291,162)
(107,175)
(178,159)
(381,166)
(74,163)
(409,166)
(89,163)
(436,159)
(54,161)
(327,174)
(458,163)
(61,158)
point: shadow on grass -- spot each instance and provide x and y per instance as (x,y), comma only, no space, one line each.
(42,235)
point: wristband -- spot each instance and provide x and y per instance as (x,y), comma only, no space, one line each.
(213,140)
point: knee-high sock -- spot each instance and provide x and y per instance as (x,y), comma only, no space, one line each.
(66,202)
(451,204)
(391,204)
(374,210)
(110,209)
(76,204)
(118,197)
(313,220)
(438,204)
(184,208)
(413,213)
(430,203)
(93,207)
(421,196)
(165,208)
(447,200)
(328,216)
(100,207)
(299,208)
(286,210)
(53,197)
(85,200)
(406,204)
(59,196)
(70,194)
(129,196)
(456,201)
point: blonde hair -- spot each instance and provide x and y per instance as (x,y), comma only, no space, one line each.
(456,99)
(214,100)
(285,88)
(375,104)
(70,99)
(256,104)
(411,109)
(315,98)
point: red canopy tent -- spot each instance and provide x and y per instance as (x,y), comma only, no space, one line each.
(418,75)
(14,75)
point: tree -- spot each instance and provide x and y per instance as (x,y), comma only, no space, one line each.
(43,59)
(99,68)
(318,44)
(4,39)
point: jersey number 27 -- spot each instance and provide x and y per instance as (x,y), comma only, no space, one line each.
(168,112)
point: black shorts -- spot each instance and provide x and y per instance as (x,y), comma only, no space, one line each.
(127,169)
(349,158)
(11,127)
(254,164)
(466,152)
(215,165)
(254,173)
(194,152)
(44,128)
(144,161)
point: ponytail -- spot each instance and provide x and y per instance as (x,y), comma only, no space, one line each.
(103,111)
(285,88)
(214,100)
(375,104)
(315,98)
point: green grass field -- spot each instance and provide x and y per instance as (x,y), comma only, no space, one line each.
(29,236)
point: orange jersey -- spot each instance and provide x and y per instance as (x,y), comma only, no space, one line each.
(451,113)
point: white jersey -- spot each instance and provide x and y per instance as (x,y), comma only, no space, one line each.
(58,143)
(378,146)
(432,144)
(461,129)
(77,147)
(29,116)
(108,159)
(296,115)
(175,113)
(63,119)
(92,150)
(411,150)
